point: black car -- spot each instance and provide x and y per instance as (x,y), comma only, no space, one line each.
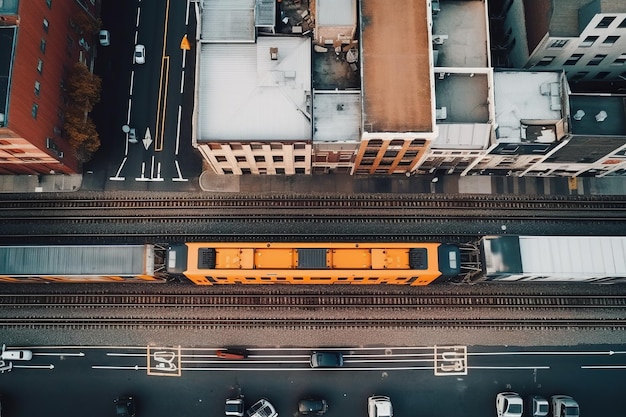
(125,406)
(315,407)
(326,360)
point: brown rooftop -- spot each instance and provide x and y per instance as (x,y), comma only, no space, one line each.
(396,69)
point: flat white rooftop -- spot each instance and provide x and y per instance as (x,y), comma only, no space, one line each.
(244,94)
(524,95)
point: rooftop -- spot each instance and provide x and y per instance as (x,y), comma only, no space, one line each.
(598,115)
(244,94)
(525,95)
(336,116)
(228,20)
(396,58)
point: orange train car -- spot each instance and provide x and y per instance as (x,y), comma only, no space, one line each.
(314,263)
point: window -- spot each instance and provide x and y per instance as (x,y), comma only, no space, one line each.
(596,59)
(623,24)
(42,46)
(37,88)
(240,158)
(610,40)
(221,158)
(589,40)
(34,110)
(605,22)
(601,75)
(277,158)
(545,61)
(299,158)
(573,60)
(49,3)
(620,60)
(259,158)
(40,66)
(46,25)
(579,76)
(558,43)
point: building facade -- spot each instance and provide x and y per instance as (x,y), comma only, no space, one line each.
(586,38)
(41,40)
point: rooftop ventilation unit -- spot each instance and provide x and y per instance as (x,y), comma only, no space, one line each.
(601,116)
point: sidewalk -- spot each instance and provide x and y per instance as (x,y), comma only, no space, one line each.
(347,184)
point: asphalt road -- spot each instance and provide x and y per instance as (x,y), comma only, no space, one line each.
(155,99)
(63,381)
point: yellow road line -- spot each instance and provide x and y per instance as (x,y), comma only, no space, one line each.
(161,106)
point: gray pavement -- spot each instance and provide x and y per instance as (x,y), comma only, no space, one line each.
(315,184)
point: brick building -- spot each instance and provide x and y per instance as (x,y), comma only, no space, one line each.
(40,40)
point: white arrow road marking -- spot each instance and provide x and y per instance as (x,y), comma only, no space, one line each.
(59,354)
(117,174)
(147,139)
(608,353)
(123,368)
(603,367)
(51,366)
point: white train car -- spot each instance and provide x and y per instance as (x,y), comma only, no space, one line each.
(79,263)
(596,259)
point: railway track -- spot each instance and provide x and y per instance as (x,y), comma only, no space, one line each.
(310,323)
(362,202)
(306,301)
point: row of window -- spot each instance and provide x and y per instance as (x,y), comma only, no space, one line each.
(575,58)
(587,42)
(599,76)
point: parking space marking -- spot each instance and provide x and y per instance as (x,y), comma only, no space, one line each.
(163,361)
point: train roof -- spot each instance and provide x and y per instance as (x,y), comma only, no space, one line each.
(568,257)
(79,260)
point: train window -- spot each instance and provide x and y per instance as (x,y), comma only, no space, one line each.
(342,278)
(297,279)
(281,279)
(250,278)
(320,278)
(358,279)
(266,278)
(372,278)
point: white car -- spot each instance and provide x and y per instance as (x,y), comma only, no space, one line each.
(139,57)
(379,406)
(538,406)
(15,355)
(262,408)
(509,404)
(564,406)
(104,37)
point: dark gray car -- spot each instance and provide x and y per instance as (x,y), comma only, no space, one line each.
(326,360)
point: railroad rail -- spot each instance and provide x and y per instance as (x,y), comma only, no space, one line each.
(360,201)
(130,323)
(308,301)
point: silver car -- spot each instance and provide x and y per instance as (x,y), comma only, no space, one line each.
(15,355)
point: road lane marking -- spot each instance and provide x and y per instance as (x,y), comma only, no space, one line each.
(58,354)
(178,130)
(180,174)
(603,367)
(117,174)
(162,103)
(608,352)
(49,367)
(132,82)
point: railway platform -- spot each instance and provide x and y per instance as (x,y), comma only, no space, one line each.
(330,183)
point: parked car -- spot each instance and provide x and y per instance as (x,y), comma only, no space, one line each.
(326,360)
(125,406)
(538,406)
(564,406)
(379,406)
(232,353)
(234,407)
(509,404)
(104,37)
(315,407)
(15,354)
(140,54)
(262,408)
